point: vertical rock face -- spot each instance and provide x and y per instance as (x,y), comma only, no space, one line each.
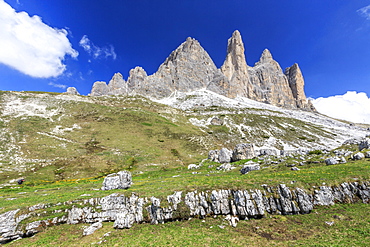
(136,78)
(72,91)
(270,84)
(117,85)
(190,68)
(296,83)
(235,68)
(99,88)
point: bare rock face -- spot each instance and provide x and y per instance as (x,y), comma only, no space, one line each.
(190,68)
(99,88)
(243,151)
(119,180)
(235,68)
(270,84)
(117,85)
(136,78)
(296,83)
(72,91)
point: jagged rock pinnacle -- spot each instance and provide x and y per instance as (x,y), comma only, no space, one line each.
(235,58)
(72,91)
(99,88)
(296,83)
(266,56)
(235,68)
(189,68)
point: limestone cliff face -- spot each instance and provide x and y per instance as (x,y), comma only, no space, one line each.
(296,83)
(117,85)
(270,85)
(190,68)
(235,69)
(99,88)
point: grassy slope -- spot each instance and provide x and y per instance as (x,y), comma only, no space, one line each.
(350,228)
(153,141)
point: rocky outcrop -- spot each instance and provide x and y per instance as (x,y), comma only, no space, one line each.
(117,85)
(270,84)
(72,91)
(189,68)
(99,88)
(242,204)
(364,144)
(235,69)
(240,152)
(243,151)
(296,83)
(119,180)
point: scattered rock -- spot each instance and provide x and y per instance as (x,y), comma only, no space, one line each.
(268,152)
(295,169)
(120,180)
(358,156)
(224,155)
(331,161)
(92,228)
(364,144)
(225,167)
(329,223)
(250,167)
(217,121)
(243,151)
(193,166)
(233,220)
(367,154)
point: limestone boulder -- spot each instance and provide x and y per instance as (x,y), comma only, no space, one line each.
(331,161)
(224,155)
(92,228)
(250,167)
(243,151)
(119,180)
(358,156)
(364,144)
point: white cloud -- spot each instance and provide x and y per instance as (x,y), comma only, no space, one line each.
(95,51)
(30,46)
(364,12)
(351,106)
(62,86)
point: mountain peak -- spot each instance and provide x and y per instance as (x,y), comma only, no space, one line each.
(189,67)
(266,56)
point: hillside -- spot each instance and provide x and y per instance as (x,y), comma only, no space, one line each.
(64,145)
(43,132)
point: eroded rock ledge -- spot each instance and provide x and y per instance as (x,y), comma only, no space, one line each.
(237,204)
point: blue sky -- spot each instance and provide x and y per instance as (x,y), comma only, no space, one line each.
(78,42)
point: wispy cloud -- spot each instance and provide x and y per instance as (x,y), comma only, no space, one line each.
(30,46)
(96,51)
(364,12)
(62,86)
(351,106)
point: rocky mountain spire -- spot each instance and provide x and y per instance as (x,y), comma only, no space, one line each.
(235,59)
(99,88)
(270,84)
(189,68)
(296,83)
(235,68)
(266,58)
(117,85)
